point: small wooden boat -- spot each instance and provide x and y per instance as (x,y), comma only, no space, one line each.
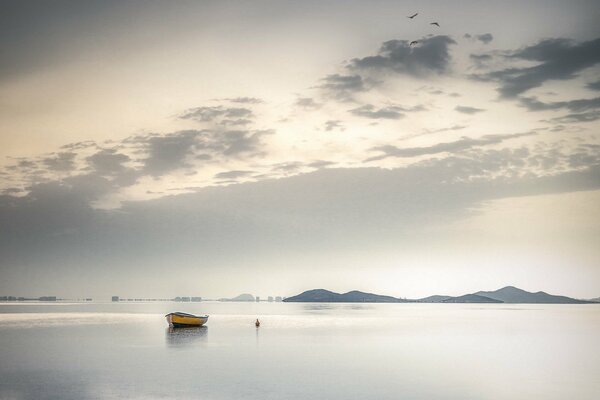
(181,320)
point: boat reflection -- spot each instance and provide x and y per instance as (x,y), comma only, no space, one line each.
(178,337)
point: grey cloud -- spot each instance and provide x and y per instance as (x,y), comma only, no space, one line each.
(217,113)
(450,147)
(342,87)
(369,111)
(232,175)
(327,209)
(485,38)
(79,145)
(468,110)
(320,164)
(589,116)
(288,166)
(175,150)
(431,55)
(557,59)
(533,104)
(238,142)
(594,85)
(246,100)
(333,124)
(61,162)
(307,103)
(169,152)
(107,161)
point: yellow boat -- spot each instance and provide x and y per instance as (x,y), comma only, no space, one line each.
(180,320)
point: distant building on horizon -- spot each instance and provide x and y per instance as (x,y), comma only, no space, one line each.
(197,298)
(278,298)
(257,299)
(270,299)
(115,298)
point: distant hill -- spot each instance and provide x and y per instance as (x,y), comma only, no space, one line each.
(596,300)
(434,299)
(326,296)
(471,298)
(241,297)
(511,294)
(508,294)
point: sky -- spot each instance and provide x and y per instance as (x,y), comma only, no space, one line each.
(187,148)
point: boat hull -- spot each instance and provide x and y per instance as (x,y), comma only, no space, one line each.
(182,320)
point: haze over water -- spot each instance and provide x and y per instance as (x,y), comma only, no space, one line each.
(301,351)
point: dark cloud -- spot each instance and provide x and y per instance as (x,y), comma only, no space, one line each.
(176,150)
(232,175)
(288,166)
(369,111)
(320,164)
(589,116)
(107,161)
(468,110)
(307,103)
(218,114)
(61,162)
(333,124)
(449,147)
(485,38)
(557,59)
(593,85)
(246,100)
(481,60)
(430,55)
(79,145)
(343,87)
(53,231)
(169,152)
(533,104)
(238,142)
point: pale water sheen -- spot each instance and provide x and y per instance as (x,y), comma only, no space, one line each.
(301,351)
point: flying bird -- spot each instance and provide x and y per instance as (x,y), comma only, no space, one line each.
(412,16)
(413,42)
(435,23)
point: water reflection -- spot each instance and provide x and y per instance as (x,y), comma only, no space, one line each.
(317,307)
(177,337)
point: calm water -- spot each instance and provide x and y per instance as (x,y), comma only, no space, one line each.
(301,351)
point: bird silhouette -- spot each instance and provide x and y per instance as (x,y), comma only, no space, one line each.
(412,16)
(413,42)
(435,23)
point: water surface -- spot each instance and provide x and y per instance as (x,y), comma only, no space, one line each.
(301,351)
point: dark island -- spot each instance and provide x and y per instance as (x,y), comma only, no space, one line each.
(508,294)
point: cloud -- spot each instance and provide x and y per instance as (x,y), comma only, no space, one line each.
(333,124)
(225,115)
(533,104)
(61,162)
(448,147)
(468,110)
(327,209)
(589,116)
(593,85)
(343,87)
(246,100)
(369,111)
(107,161)
(307,103)
(232,175)
(485,38)
(431,55)
(557,59)
(168,152)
